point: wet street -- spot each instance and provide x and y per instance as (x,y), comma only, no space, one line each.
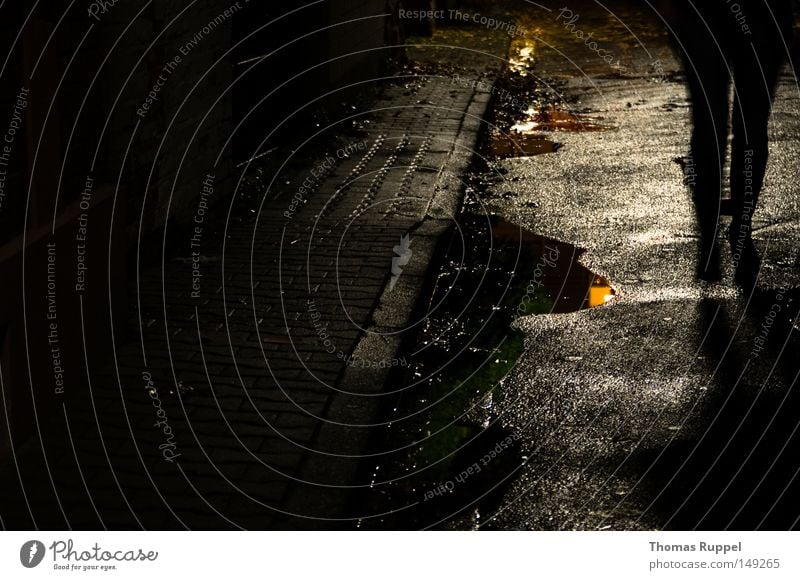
(444,279)
(641,398)
(657,409)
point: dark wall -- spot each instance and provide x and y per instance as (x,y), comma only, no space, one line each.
(307,52)
(127,110)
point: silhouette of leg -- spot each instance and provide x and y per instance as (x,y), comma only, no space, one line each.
(756,63)
(702,46)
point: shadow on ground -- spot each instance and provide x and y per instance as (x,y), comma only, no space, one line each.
(738,471)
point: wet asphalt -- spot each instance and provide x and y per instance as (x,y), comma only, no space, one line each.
(661,408)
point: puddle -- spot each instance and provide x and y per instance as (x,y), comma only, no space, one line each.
(520,144)
(529,136)
(553,119)
(439,447)
(566,281)
(522,55)
(449,415)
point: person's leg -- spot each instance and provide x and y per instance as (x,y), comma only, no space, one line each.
(701,44)
(757,62)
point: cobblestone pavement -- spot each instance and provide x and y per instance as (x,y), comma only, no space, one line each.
(234,407)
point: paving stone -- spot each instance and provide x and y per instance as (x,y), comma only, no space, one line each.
(200,356)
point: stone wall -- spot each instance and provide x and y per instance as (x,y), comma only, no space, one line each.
(171,72)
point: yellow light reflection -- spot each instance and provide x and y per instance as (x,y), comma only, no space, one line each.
(522,57)
(600,292)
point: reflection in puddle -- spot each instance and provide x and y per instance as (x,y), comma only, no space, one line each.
(570,284)
(520,145)
(528,137)
(493,273)
(521,56)
(552,119)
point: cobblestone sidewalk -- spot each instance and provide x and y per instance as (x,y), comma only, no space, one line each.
(246,399)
